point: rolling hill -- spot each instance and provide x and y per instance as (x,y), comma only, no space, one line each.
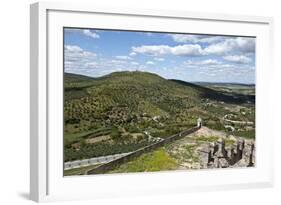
(123,103)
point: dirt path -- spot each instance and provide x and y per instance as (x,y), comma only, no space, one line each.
(205,131)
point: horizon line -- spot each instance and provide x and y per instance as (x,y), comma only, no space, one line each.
(214,82)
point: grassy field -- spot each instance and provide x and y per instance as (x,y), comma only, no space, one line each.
(155,161)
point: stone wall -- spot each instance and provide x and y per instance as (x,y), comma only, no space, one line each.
(239,155)
(111,165)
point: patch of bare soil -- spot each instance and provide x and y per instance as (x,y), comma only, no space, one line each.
(98,139)
(205,131)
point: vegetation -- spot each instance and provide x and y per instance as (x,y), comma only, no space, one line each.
(183,153)
(158,160)
(87,151)
(247,134)
(120,107)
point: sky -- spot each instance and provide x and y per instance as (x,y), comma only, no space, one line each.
(187,57)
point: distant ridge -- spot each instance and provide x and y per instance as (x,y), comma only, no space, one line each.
(224,83)
(74,77)
(143,82)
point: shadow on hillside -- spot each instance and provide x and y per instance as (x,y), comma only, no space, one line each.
(232,98)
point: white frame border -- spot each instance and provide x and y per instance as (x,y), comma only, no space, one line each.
(38,81)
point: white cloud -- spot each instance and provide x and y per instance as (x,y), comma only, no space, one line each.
(181,50)
(187,50)
(150,63)
(228,46)
(158,59)
(132,54)
(238,59)
(204,62)
(123,57)
(134,63)
(75,53)
(217,71)
(223,58)
(185,38)
(91,64)
(77,59)
(239,44)
(152,50)
(85,32)
(118,61)
(91,34)
(71,48)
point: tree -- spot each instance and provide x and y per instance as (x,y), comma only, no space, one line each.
(115,134)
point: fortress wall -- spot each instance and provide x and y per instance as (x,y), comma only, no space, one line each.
(112,164)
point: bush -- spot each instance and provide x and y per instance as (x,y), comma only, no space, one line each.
(115,134)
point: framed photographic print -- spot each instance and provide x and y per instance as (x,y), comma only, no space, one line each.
(128,101)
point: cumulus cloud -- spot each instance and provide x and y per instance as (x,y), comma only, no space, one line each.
(225,47)
(203,62)
(217,71)
(186,38)
(75,53)
(134,63)
(150,63)
(238,59)
(86,32)
(118,61)
(187,50)
(72,48)
(204,58)
(158,59)
(123,57)
(132,54)
(78,60)
(218,44)
(91,64)
(91,34)
(180,50)
(239,44)
(152,50)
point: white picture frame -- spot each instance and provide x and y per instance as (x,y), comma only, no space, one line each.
(46,180)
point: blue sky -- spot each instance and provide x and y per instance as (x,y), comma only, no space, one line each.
(188,57)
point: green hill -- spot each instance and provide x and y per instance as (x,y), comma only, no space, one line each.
(123,103)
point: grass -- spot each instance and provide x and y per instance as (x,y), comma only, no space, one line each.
(98,149)
(76,137)
(227,141)
(188,153)
(158,160)
(207,138)
(246,134)
(184,153)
